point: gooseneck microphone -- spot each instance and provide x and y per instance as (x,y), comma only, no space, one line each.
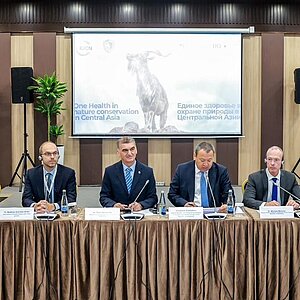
(211,192)
(296,199)
(137,197)
(133,215)
(215,214)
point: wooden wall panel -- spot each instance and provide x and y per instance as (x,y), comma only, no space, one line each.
(181,151)
(109,153)
(250,144)
(160,159)
(272,92)
(228,156)
(21,56)
(44,62)
(291,116)
(64,74)
(5,110)
(90,161)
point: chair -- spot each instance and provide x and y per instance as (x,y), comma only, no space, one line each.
(244,185)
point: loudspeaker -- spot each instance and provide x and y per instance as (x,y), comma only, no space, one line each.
(297,85)
(21,79)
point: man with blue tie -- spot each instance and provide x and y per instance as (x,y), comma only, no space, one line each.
(44,184)
(263,186)
(200,181)
(128,183)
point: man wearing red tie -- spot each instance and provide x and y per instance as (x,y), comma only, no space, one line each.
(263,187)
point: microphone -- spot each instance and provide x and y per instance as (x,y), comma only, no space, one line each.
(210,189)
(133,215)
(147,181)
(215,214)
(296,199)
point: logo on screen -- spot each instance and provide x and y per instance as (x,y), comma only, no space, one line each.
(84,48)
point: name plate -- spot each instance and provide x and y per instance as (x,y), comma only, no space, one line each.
(185,213)
(111,214)
(17,213)
(276,212)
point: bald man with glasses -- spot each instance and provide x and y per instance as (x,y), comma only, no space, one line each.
(44,184)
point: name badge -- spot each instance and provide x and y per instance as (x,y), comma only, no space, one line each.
(17,213)
(185,213)
(276,212)
(111,214)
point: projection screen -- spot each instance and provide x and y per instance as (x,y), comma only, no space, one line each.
(157,84)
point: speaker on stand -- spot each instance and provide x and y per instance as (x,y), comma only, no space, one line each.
(21,79)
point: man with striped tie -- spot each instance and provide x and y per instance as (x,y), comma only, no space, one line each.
(44,184)
(125,180)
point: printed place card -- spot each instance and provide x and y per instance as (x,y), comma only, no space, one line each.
(16,213)
(276,212)
(185,213)
(110,214)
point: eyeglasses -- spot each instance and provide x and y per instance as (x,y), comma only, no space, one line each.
(49,154)
(275,160)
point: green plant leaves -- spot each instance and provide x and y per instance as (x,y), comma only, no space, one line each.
(48,91)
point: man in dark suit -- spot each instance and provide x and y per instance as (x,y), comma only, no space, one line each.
(190,184)
(44,184)
(263,186)
(124,180)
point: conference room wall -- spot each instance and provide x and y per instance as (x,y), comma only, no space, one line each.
(291,110)
(89,157)
(21,56)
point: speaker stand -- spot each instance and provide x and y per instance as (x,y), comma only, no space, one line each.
(25,155)
(295,167)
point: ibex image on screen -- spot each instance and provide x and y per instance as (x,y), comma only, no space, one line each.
(152,96)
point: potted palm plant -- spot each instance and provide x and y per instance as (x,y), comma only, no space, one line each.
(48,91)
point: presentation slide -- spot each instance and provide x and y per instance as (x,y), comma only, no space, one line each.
(157,84)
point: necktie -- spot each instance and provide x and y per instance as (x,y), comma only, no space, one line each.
(274,190)
(128,179)
(203,187)
(49,181)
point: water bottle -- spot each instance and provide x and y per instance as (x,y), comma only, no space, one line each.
(162,209)
(64,204)
(230,203)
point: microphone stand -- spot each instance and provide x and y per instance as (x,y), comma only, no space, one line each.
(295,198)
(24,157)
(295,167)
(132,215)
(215,214)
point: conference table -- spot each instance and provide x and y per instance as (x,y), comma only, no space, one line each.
(242,257)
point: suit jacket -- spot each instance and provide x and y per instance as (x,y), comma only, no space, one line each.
(114,188)
(34,185)
(182,188)
(256,191)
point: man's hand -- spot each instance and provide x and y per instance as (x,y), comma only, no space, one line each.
(272,203)
(135,206)
(190,204)
(223,208)
(293,203)
(44,206)
(121,206)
